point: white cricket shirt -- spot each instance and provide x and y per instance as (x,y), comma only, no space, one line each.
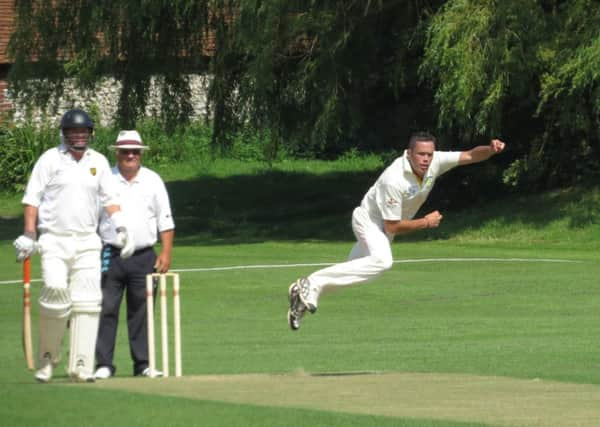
(145,206)
(70,193)
(397,194)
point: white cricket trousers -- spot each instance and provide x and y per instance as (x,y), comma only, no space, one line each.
(370,256)
(72,262)
(71,274)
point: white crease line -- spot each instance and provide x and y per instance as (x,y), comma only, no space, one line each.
(323,264)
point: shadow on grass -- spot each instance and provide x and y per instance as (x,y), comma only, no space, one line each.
(267,206)
(299,206)
(10,228)
(579,208)
(276,205)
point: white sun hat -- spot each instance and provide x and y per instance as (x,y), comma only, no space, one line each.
(129,139)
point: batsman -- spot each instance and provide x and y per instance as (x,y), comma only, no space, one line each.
(68,187)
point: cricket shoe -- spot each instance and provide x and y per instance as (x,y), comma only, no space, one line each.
(44,374)
(81,377)
(150,374)
(103,373)
(296,310)
(298,293)
(81,374)
(308,295)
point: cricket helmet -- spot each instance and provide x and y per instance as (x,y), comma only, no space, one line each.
(76,119)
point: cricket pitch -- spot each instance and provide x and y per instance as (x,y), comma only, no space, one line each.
(495,400)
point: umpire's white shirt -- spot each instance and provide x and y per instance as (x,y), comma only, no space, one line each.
(398,194)
(69,193)
(145,206)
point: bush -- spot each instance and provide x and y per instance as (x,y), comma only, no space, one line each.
(20,147)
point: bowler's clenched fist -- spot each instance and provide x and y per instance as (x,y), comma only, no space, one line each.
(497,146)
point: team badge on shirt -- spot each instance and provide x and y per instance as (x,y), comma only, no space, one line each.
(93,171)
(428,183)
(412,190)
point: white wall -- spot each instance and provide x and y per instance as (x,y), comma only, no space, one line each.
(105,100)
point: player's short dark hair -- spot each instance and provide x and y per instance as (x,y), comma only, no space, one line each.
(420,137)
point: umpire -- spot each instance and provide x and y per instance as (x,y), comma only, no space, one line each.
(145,205)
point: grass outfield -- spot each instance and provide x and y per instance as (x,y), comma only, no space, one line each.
(413,347)
(482,326)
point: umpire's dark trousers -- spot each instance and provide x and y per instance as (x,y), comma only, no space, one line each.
(119,276)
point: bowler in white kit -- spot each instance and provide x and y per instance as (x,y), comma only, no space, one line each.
(386,210)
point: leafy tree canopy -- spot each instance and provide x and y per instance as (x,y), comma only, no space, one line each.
(327,76)
(130,40)
(526,69)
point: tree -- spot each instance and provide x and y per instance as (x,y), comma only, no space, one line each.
(322,74)
(324,77)
(132,41)
(569,98)
(528,69)
(306,70)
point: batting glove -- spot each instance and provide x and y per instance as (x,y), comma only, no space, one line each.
(125,241)
(25,247)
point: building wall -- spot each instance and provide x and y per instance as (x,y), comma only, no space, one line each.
(6,25)
(104,99)
(5,105)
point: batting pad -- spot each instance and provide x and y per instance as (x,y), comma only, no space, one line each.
(84,330)
(85,287)
(55,308)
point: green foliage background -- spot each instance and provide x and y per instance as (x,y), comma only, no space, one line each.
(186,146)
(322,78)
